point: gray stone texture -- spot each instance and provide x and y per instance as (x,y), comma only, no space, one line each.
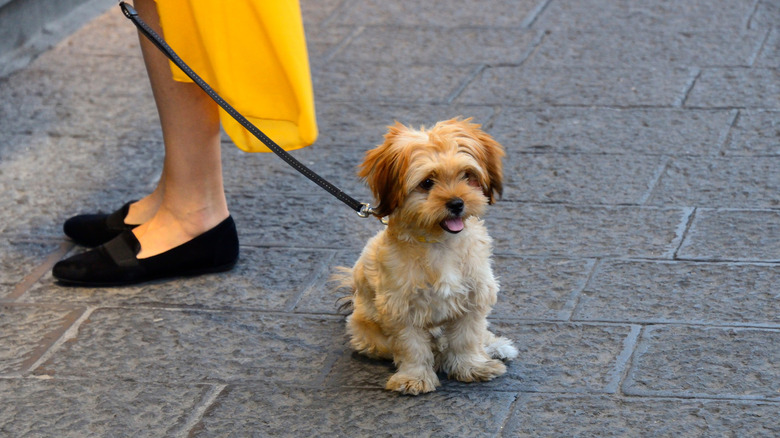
(671,292)
(614,131)
(736,87)
(28,332)
(756,133)
(733,235)
(637,243)
(719,362)
(586,231)
(34,407)
(579,415)
(568,85)
(747,182)
(193,346)
(268,411)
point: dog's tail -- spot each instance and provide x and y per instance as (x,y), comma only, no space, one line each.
(343,281)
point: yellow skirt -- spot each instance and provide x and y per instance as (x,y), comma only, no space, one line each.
(253,53)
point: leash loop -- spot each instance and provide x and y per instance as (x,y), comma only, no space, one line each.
(363,210)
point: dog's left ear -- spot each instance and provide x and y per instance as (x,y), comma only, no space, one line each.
(491,162)
(384,168)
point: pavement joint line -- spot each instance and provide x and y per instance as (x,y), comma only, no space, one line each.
(694,76)
(759,48)
(346,41)
(70,333)
(337,11)
(534,14)
(624,360)
(568,310)
(321,277)
(39,271)
(659,173)
(683,228)
(465,83)
(199,410)
(749,20)
(725,136)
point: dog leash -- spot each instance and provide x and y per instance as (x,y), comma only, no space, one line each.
(362,209)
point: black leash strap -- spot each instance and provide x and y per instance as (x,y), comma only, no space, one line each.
(362,209)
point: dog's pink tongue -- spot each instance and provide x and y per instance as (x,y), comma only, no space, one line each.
(454,224)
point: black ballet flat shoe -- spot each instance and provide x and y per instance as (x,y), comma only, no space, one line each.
(115,263)
(96,229)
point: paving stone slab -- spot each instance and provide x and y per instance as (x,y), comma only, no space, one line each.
(30,105)
(38,213)
(719,362)
(736,88)
(605,416)
(770,53)
(267,173)
(111,34)
(530,288)
(755,133)
(585,231)
(739,235)
(649,46)
(732,182)
(538,288)
(766,15)
(264,279)
(681,292)
(323,296)
(436,45)
(34,407)
(389,83)
(316,13)
(87,163)
(157,345)
(364,124)
(435,13)
(611,130)
(60,75)
(323,42)
(553,357)
(581,178)
(626,16)
(26,332)
(294,412)
(601,86)
(300,221)
(18,258)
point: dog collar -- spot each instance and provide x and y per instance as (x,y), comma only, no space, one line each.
(423,239)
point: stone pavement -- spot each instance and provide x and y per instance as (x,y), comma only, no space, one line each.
(638,243)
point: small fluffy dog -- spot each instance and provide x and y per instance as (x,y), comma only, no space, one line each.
(423,286)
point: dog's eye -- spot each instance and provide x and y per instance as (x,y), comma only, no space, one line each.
(427,184)
(467,175)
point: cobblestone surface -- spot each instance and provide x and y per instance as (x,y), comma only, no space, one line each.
(637,245)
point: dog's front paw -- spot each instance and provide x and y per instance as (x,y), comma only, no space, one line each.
(479,371)
(412,385)
(501,348)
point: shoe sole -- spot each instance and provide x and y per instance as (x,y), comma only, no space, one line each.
(184,274)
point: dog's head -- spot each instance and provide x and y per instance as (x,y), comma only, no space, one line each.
(432,179)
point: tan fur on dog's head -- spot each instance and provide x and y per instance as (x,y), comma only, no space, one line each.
(418,172)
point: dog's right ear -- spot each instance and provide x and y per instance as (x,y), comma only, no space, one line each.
(384,169)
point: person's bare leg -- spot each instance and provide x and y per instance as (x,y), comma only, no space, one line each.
(190,195)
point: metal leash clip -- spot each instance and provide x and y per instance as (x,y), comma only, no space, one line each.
(367,210)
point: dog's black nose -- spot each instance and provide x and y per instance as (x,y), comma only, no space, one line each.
(455,206)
